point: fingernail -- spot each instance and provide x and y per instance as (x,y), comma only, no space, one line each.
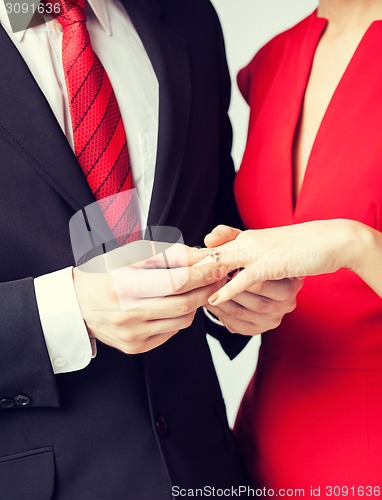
(213,298)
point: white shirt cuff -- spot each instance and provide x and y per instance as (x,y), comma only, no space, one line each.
(66,336)
(212,318)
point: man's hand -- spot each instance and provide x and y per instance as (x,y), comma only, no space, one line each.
(139,306)
(260,308)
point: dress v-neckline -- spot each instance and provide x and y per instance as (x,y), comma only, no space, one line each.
(319,24)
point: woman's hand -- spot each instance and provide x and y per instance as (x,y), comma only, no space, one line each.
(308,249)
(260,308)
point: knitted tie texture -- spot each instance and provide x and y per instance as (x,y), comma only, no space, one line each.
(99,136)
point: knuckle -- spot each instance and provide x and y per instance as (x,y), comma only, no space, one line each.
(172,333)
(289,289)
(128,338)
(260,287)
(131,348)
(222,315)
(180,278)
(149,329)
(212,274)
(289,292)
(264,305)
(120,320)
(145,314)
(297,283)
(275,323)
(231,328)
(186,321)
(292,305)
(249,330)
(237,311)
(126,321)
(256,330)
(184,306)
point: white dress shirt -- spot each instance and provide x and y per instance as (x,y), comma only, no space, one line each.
(118,46)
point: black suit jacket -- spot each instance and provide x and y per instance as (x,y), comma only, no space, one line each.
(126,427)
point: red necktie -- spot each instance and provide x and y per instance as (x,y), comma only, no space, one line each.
(99,136)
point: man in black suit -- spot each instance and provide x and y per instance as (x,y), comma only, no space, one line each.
(124,426)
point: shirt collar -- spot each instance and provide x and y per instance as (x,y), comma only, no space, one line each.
(98,7)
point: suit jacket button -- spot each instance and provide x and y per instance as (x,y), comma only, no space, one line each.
(22,400)
(6,403)
(161,426)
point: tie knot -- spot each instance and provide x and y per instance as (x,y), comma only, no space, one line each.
(67,12)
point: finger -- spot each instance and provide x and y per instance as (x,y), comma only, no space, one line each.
(238,319)
(143,346)
(260,305)
(132,284)
(231,310)
(145,254)
(235,255)
(261,314)
(249,328)
(166,255)
(202,276)
(256,303)
(246,328)
(156,341)
(238,284)
(221,234)
(234,324)
(279,290)
(162,326)
(174,306)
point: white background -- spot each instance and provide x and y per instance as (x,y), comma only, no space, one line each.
(247,25)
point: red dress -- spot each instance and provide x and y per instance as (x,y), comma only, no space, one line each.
(312,415)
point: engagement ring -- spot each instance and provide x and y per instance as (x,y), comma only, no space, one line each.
(214,254)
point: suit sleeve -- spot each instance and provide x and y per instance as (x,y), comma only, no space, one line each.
(225,211)
(26,376)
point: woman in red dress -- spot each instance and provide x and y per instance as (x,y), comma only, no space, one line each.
(310,188)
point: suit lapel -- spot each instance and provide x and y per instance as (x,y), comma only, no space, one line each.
(28,124)
(169,57)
